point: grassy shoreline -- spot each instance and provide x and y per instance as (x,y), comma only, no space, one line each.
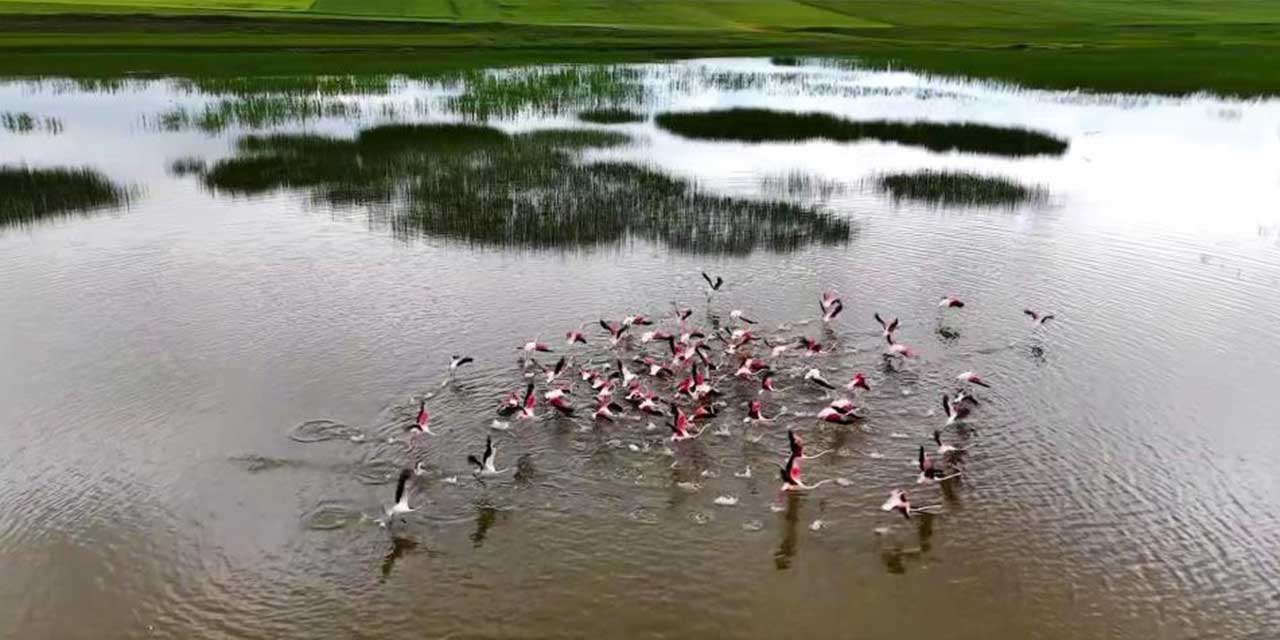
(1223,58)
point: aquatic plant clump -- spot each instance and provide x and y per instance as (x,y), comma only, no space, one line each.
(959,188)
(610,116)
(480,185)
(257,112)
(766,125)
(552,90)
(337,85)
(27,195)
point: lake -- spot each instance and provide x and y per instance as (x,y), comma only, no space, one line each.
(224,298)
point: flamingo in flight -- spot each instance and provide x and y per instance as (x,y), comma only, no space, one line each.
(791,479)
(486,466)
(951,302)
(401,505)
(637,320)
(832,308)
(755,413)
(836,416)
(858,381)
(714,284)
(897,348)
(606,410)
(815,376)
(558,398)
(530,347)
(680,425)
(888,327)
(970,377)
(527,405)
(615,331)
(944,449)
(1037,319)
(737,315)
(456,361)
(811,347)
(956,412)
(797,447)
(552,373)
(422,424)
(574,337)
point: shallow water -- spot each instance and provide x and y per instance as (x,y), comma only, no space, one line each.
(203,394)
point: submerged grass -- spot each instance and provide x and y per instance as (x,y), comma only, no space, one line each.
(610,116)
(476,184)
(766,125)
(959,188)
(29,195)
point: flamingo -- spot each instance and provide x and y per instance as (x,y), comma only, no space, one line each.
(858,381)
(830,313)
(716,284)
(457,361)
(888,327)
(530,347)
(606,410)
(559,400)
(791,480)
(898,349)
(736,314)
(615,331)
(680,425)
(970,377)
(422,424)
(1036,318)
(526,405)
(486,466)
(956,412)
(755,413)
(811,347)
(401,505)
(815,376)
(951,302)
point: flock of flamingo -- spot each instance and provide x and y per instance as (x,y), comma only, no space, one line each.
(675,374)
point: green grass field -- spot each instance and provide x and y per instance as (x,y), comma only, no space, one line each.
(1165,46)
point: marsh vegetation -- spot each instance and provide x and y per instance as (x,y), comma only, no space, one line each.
(767,125)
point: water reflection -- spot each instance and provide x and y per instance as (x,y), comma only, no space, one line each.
(29,195)
(485,517)
(399,548)
(483,186)
(790,521)
(767,125)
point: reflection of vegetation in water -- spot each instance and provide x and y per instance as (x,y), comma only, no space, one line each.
(786,61)
(610,116)
(801,185)
(27,195)
(959,188)
(765,125)
(480,185)
(27,123)
(504,92)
